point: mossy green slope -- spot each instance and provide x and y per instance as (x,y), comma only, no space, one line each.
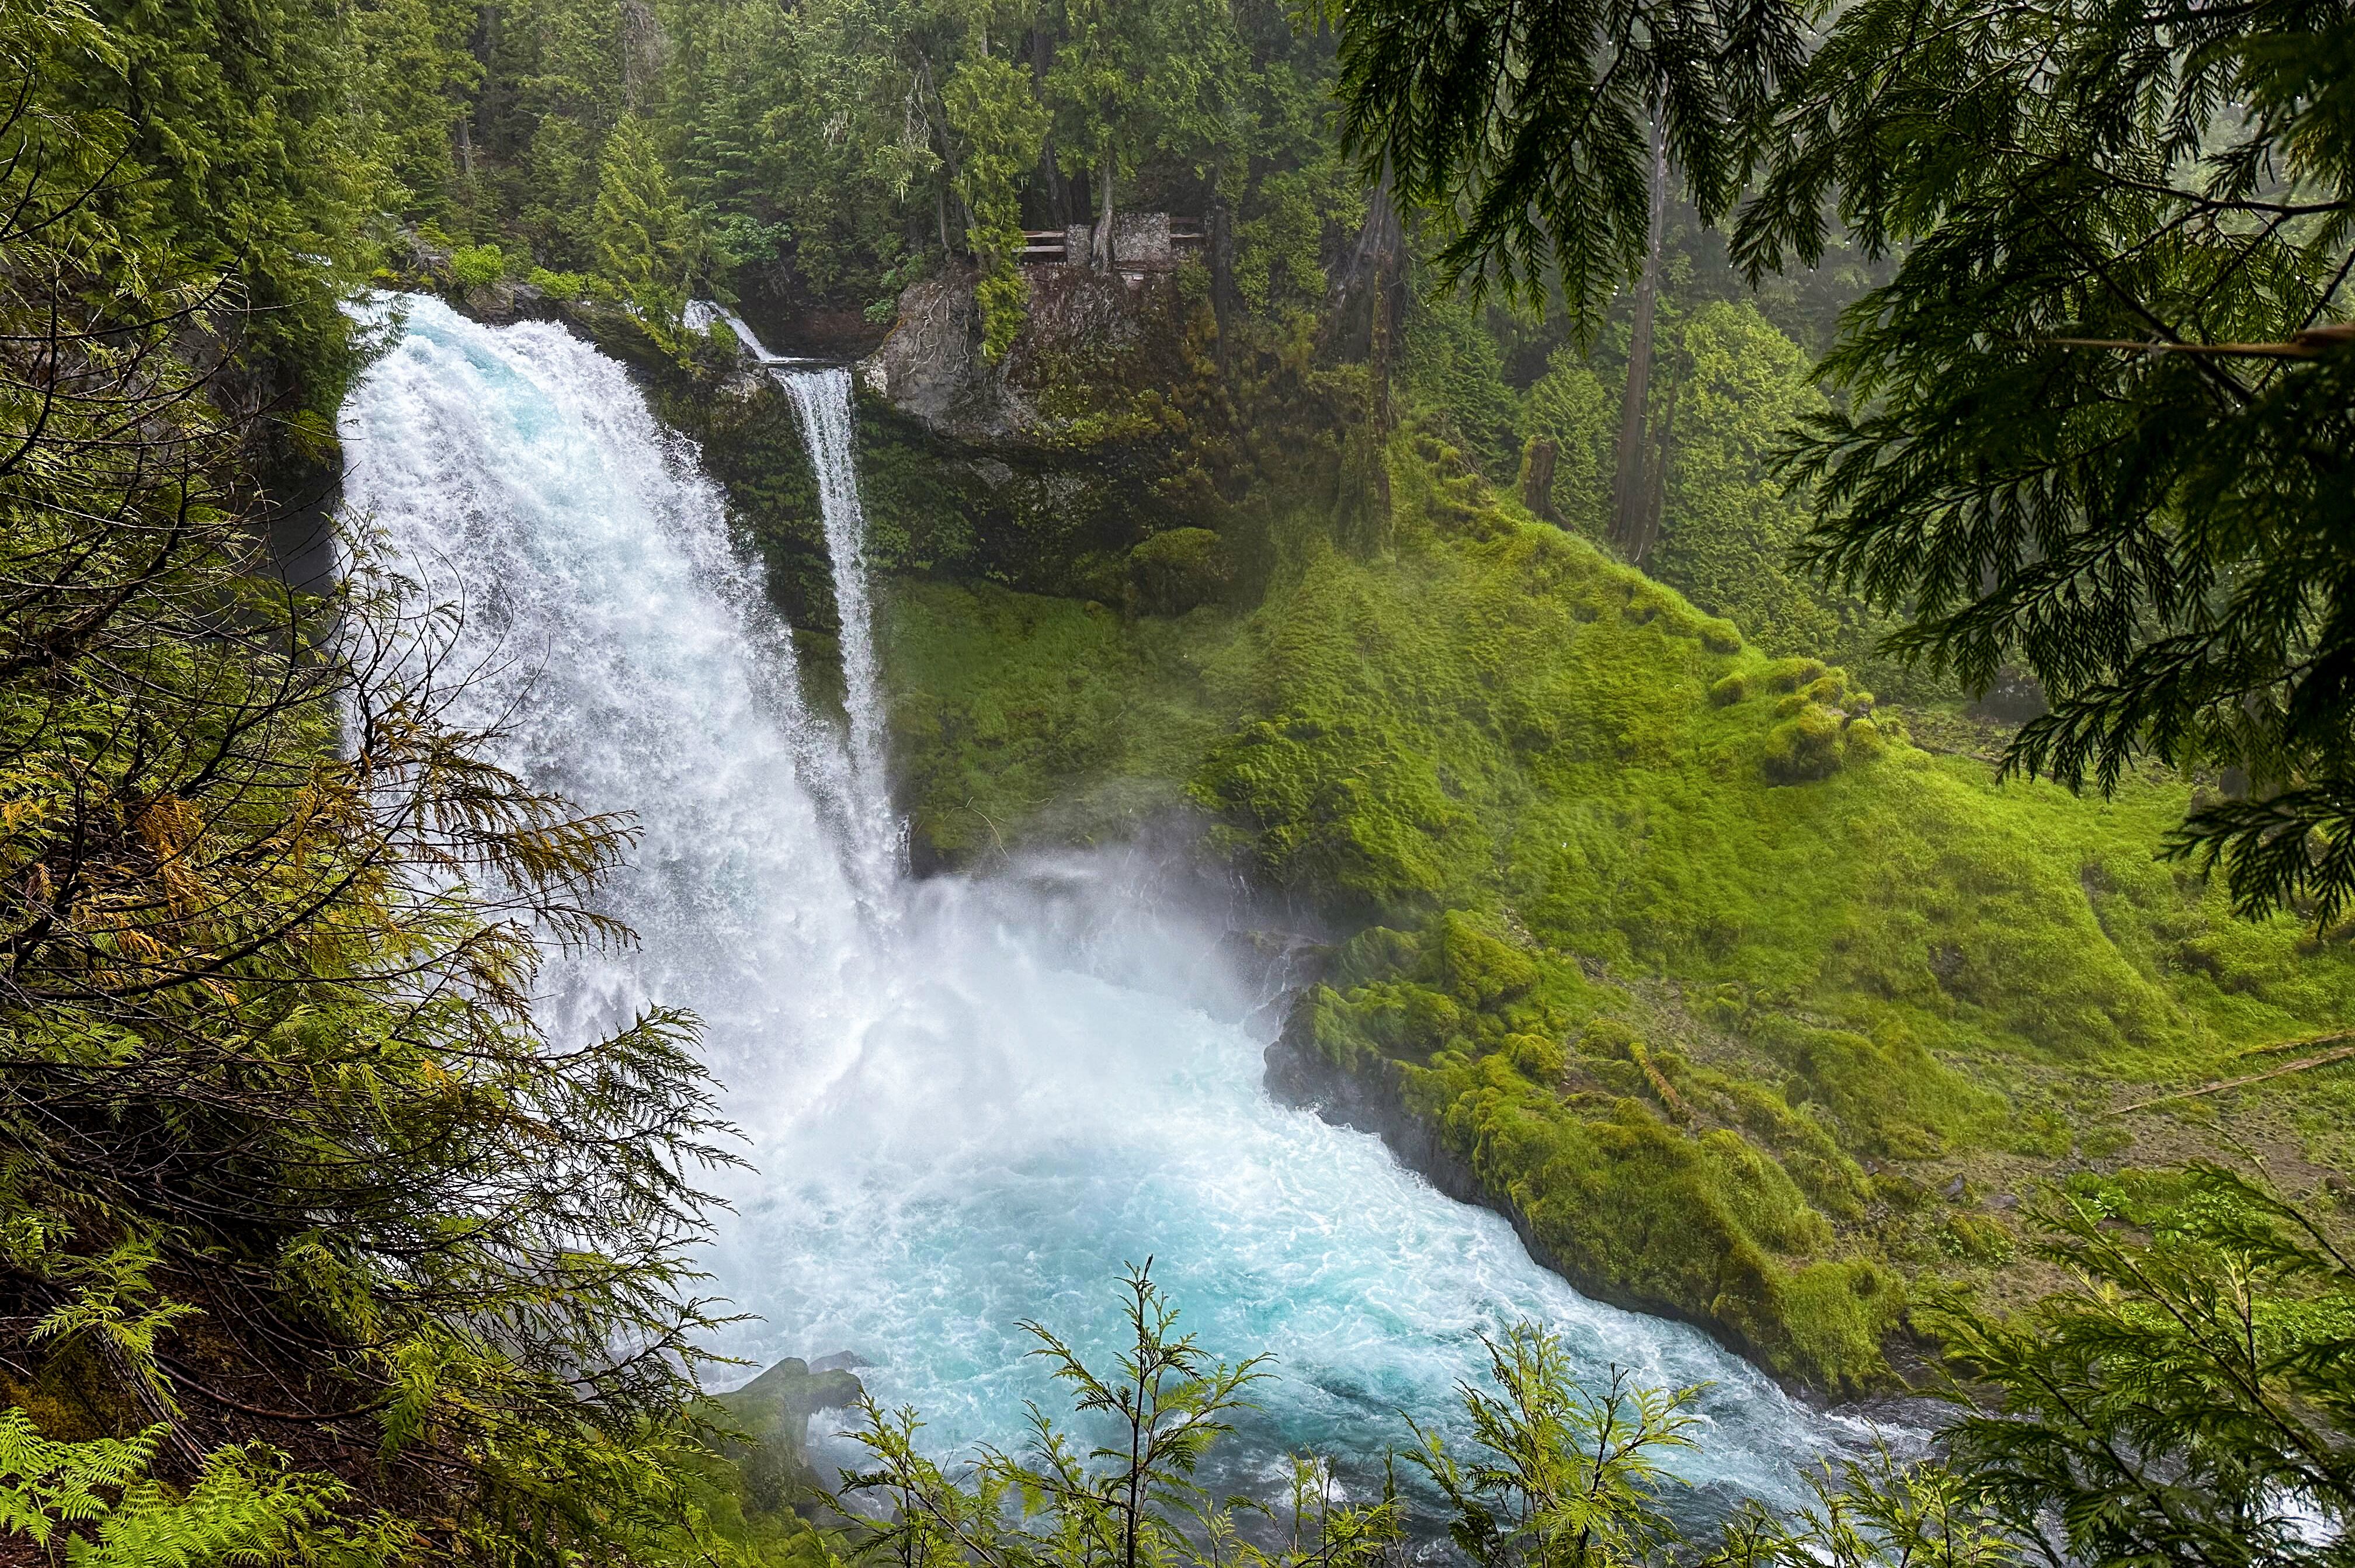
(1739,1000)
(1019,717)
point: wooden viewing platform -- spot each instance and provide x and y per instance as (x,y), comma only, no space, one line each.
(1141,242)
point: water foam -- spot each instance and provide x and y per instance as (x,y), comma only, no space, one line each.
(978,1110)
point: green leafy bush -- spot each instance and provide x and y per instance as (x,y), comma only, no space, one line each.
(477,266)
(558,285)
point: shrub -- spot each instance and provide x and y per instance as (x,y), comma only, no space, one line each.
(558,285)
(477,266)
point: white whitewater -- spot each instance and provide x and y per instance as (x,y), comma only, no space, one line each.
(975,1111)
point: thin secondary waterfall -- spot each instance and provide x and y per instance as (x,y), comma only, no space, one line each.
(821,398)
(977,1111)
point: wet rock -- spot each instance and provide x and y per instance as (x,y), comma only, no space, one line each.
(1267,970)
(504,303)
(773,1413)
(778,1403)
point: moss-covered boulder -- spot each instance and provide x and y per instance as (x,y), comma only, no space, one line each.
(772,1414)
(1181,570)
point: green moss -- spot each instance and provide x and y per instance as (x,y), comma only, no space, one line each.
(1480,969)
(1017,717)
(1179,571)
(1806,746)
(1835,1314)
(1685,949)
(1979,1238)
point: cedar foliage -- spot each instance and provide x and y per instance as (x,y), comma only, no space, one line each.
(306,1229)
(2097,420)
(2162,537)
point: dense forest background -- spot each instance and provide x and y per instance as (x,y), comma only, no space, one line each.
(808,162)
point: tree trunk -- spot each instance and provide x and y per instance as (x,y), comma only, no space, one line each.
(1656,492)
(1630,502)
(1538,463)
(466,145)
(1103,246)
(1362,519)
(1222,239)
(643,47)
(1059,199)
(1382,319)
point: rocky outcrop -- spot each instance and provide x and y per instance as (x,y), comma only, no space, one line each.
(1368,1101)
(1091,343)
(773,1413)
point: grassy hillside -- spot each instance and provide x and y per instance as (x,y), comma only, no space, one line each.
(1754,1011)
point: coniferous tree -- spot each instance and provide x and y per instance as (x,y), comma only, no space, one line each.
(2097,422)
(999,125)
(647,240)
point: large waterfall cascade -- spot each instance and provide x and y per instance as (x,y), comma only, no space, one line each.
(977,1110)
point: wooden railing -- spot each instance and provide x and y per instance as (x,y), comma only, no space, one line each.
(1052,247)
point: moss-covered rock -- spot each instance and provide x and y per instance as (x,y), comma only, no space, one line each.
(1181,570)
(772,1413)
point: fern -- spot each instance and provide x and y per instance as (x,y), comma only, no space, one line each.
(95,1504)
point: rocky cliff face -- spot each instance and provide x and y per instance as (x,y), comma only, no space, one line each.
(1093,341)
(773,1410)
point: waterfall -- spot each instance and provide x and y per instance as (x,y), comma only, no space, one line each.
(973,1112)
(821,398)
(701,313)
